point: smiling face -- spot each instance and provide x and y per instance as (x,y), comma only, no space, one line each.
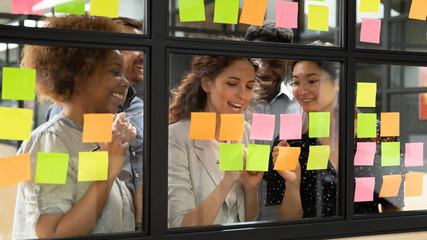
(313,87)
(134,62)
(231,90)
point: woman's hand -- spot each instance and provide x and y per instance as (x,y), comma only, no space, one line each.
(292,177)
(250,179)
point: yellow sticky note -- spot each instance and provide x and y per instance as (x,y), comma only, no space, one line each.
(232,127)
(15,169)
(413,184)
(15,123)
(18,84)
(93,166)
(288,158)
(51,168)
(391,185)
(390,124)
(97,127)
(318,157)
(104,8)
(253,12)
(202,125)
(366,94)
(318,18)
(418,10)
(369,6)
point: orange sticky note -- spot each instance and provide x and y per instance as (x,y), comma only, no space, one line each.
(390,124)
(97,127)
(15,169)
(288,158)
(413,184)
(391,185)
(232,127)
(202,125)
(253,12)
(418,10)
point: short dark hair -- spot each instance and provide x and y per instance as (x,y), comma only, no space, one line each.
(268,32)
(130,22)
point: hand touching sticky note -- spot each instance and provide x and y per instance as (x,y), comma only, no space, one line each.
(319,124)
(318,157)
(364,190)
(366,125)
(104,8)
(290,126)
(51,168)
(262,126)
(93,166)
(413,184)
(366,94)
(318,18)
(390,124)
(288,158)
(391,185)
(390,154)
(202,125)
(226,11)
(15,169)
(18,84)
(253,12)
(230,157)
(232,127)
(257,157)
(191,10)
(15,123)
(97,127)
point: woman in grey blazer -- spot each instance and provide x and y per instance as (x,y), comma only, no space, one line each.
(198,192)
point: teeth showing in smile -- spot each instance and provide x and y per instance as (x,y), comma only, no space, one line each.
(119,96)
(307,100)
(235,106)
(139,66)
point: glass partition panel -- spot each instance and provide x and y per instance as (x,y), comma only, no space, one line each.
(308,20)
(390,135)
(225,115)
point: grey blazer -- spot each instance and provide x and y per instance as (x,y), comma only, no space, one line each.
(194,174)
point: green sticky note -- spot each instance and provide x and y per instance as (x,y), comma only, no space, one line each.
(15,123)
(93,166)
(366,94)
(104,8)
(369,6)
(318,157)
(230,157)
(319,124)
(18,84)
(51,168)
(226,11)
(318,18)
(390,154)
(71,7)
(366,125)
(191,10)
(257,157)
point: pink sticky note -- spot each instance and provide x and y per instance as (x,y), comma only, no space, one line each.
(26,7)
(370,30)
(290,126)
(262,127)
(365,154)
(414,154)
(364,190)
(287,14)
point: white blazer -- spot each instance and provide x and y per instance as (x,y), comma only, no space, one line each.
(194,174)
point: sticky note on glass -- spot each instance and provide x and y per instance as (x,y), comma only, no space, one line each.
(366,125)
(18,84)
(15,169)
(391,185)
(288,158)
(418,10)
(290,126)
(262,126)
(70,7)
(202,125)
(287,14)
(414,154)
(370,30)
(364,189)
(257,157)
(413,184)
(230,157)
(319,124)
(365,154)
(253,12)
(15,123)
(318,18)
(226,11)
(366,94)
(232,127)
(51,168)
(104,8)
(191,10)
(93,166)
(318,157)
(27,7)
(390,154)
(369,6)
(97,127)
(390,124)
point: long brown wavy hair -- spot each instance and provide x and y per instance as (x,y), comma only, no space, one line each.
(190,96)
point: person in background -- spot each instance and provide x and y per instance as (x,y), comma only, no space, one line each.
(271,93)
(198,192)
(306,193)
(82,81)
